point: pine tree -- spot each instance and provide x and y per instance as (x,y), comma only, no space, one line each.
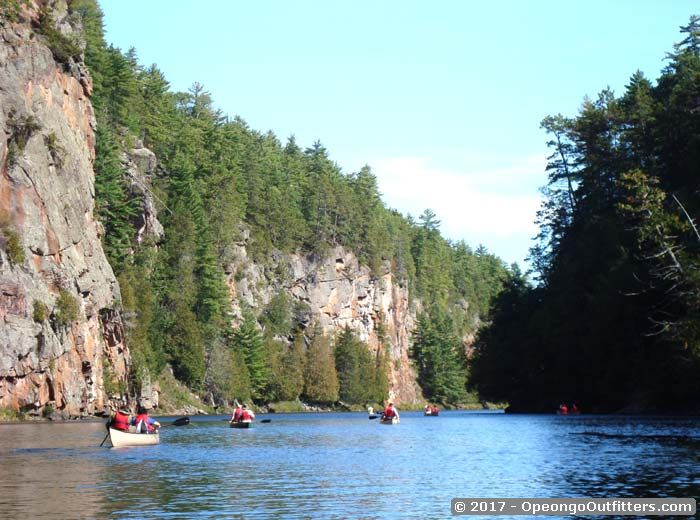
(439,357)
(248,340)
(291,378)
(320,377)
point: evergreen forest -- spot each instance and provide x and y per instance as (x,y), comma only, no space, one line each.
(218,180)
(613,320)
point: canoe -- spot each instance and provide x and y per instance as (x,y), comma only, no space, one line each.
(430,414)
(393,420)
(120,439)
(240,424)
(373,416)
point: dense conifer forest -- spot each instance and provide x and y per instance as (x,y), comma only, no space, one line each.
(613,320)
(218,179)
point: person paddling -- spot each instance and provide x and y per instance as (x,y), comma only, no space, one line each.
(120,421)
(390,412)
(237,413)
(144,423)
(247,415)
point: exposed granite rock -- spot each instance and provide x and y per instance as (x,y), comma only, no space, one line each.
(140,166)
(47,196)
(339,292)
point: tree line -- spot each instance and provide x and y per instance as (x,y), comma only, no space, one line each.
(613,322)
(216,175)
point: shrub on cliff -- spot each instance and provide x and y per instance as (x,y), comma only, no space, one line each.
(67,309)
(62,47)
(9,239)
(41,311)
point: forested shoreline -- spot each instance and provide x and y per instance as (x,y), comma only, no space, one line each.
(239,220)
(613,321)
(218,180)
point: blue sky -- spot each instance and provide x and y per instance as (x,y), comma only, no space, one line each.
(442,99)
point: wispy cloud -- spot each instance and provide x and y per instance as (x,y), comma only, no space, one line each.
(494,206)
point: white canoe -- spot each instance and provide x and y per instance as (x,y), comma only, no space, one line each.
(122,439)
(393,420)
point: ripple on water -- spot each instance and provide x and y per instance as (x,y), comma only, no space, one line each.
(341,465)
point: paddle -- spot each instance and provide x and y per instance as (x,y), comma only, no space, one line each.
(182,421)
(103,440)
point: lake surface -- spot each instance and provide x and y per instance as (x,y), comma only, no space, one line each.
(343,465)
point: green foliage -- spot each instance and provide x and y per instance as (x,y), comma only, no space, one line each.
(40,312)
(291,376)
(614,320)
(11,415)
(21,129)
(112,386)
(66,310)
(227,378)
(361,379)
(48,410)
(115,208)
(63,47)
(439,356)
(57,151)
(11,241)
(215,173)
(248,341)
(10,10)
(287,407)
(277,316)
(320,377)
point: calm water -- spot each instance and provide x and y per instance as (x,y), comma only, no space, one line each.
(342,465)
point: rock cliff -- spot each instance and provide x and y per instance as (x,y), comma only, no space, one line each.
(337,291)
(61,342)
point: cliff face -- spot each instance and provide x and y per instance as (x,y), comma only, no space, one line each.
(338,292)
(60,354)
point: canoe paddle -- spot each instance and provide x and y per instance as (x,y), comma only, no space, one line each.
(182,421)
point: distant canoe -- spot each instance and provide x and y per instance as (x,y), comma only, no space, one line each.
(431,414)
(389,421)
(373,416)
(120,439)
(240,424)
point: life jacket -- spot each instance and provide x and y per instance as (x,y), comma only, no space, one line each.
(435,410)
(142,424)
(389,412)
(245,416)
(120,422)
(237,414)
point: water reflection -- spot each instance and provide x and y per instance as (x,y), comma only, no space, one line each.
(342,465)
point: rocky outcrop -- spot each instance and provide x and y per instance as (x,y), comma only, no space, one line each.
(139,166)
(60,341)
(338,292)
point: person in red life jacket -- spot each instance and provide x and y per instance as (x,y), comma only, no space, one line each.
(237,414)
(247,415)
(435,410)
(143,423)
(574,408)
(563,409)
(390,412)
(120,421)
